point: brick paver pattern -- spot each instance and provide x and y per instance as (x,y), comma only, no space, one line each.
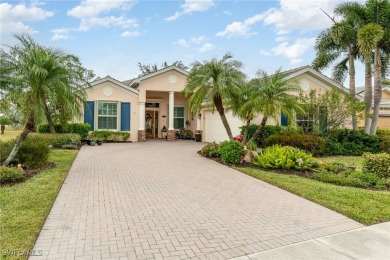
(161,200)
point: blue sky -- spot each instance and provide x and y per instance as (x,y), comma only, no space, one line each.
(111,37)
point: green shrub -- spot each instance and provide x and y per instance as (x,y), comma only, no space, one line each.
(69,147)
(251,145)
(268,130)
(34,153)
(56,140)
(369,178)
(284,157)
(349,142)
(10,174)
(74,128)
(307,142)
(378,164)
(210,150)
(334,167)
(109,136)
(339,179)
(231,151)
(385,144)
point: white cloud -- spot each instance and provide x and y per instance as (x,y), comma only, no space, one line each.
(206,47)
(60,34)
(191,6)
(13,17)
(265,53)
(128,34)
(182,43)
(198,40)
(240,29)
(89,12)
(227,13)
(281,39)
(302,15)
(294,51)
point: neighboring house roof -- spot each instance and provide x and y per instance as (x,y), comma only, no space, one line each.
(135,82)
(385,102)
(114,81)
(314,73)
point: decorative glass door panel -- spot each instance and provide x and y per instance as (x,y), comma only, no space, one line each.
(151,124)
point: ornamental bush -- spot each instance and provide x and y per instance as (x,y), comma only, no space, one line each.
(56,140)
(74,128)
(251,145)
(210,150)
(349,142)
(10,174)
(378,164)
(109,136)
(285,157)
(307,142)
(231,151)
(268,130)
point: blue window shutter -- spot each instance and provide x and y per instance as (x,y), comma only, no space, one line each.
(125,116)
(89,113)
(283,119)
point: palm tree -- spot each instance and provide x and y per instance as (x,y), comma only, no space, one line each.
(236,104)
(211,83)
(331,44)
(42,76)
(274,95)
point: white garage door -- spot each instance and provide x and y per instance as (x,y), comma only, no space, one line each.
(215,131)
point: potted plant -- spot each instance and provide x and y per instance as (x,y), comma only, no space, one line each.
(164,132)
(188,134)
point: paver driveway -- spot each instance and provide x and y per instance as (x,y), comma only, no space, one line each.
(161,200)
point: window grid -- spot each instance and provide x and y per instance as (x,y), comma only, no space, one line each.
(108,115)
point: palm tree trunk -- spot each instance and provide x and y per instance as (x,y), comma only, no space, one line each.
(377,92)
(49,120)
(367,97)
(2,129)
(219,106)
(28,127)
(352,89)
(259,129)
(248,122)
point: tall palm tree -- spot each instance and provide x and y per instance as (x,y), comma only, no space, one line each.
(274,94)
(236,104)
(42,76)
(333,43)
(211,83)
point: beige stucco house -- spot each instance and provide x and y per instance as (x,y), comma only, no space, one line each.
(144,105)
(384,108)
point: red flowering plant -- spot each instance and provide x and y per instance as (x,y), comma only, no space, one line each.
(238,138)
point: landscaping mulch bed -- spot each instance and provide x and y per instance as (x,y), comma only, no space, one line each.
(29,173)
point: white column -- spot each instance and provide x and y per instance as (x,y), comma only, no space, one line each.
(141,121)
(198,122)
(171,106)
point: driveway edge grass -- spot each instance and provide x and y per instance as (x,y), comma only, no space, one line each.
(24,207)
(365,206)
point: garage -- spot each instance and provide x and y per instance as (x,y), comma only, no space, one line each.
(214,129)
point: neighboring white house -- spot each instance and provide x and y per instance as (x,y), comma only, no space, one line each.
(144,105)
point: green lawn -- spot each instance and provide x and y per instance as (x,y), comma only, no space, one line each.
(25,206)
(365,206)
(347,160)
(9,134)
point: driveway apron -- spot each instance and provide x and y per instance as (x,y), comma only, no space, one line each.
(161,200)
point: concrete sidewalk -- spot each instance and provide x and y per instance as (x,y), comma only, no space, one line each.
(371,242)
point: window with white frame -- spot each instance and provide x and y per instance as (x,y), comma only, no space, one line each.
(107,115)
(306,121)
(178,117)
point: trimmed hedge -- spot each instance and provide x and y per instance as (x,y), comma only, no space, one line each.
(74,128)
(307,142)
(378,164)
(109,136)
(10,174)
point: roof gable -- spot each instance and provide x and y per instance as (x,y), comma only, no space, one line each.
(136,81)
(114,81)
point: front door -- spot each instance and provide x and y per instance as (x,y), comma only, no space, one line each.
(151,124)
